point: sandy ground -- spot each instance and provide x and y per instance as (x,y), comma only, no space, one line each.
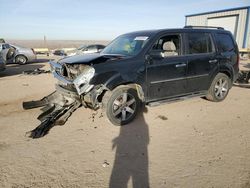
(194,143)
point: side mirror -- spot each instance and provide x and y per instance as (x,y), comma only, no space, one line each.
(156,54)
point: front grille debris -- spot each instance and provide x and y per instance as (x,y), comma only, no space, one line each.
(56,110)
(35,72)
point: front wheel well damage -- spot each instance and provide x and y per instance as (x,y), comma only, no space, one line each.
(100,93)
(137,87)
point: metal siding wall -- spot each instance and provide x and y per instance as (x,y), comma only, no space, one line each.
(248,31)
(201,20)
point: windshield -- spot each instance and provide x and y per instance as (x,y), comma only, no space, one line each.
(128,45)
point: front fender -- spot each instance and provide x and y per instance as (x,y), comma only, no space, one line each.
(110,80)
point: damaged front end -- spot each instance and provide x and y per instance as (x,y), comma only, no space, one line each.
(72,91)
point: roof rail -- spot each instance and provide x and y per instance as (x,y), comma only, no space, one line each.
(201,27)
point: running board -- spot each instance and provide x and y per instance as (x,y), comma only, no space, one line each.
(157,103)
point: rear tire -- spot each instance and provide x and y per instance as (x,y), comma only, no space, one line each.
(21,59)
(219,88)
(121,105)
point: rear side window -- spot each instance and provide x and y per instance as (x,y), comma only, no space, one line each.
(90,48)
(199,43)
(224,42)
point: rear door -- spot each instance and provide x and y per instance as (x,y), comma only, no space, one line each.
(201,61)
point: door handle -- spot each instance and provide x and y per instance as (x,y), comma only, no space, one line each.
(213,61)
(181,65)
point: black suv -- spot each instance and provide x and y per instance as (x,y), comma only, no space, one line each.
(149,67)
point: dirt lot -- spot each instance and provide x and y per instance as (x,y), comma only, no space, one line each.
(194,143)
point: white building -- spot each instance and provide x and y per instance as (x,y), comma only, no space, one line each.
(236,20)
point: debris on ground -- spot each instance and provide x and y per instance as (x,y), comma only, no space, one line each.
(94,114)
(162,117)
(56,110)
(243,79)
(105,164)
(35,72)
(198,131)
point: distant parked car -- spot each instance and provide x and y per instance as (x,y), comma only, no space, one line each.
(60,52)
(23,55)
(20,54)
(87,49)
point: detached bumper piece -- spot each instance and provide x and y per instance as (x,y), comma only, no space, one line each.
(243,79)
(57,108)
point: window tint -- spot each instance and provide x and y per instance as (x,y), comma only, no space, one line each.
(169,45)
(91,48)
(6,46)
(224,42)
(101,47)
(199,43)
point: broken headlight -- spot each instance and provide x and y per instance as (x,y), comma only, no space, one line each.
(82,81)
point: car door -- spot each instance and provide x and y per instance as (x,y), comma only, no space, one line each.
(166,75)
(202,62)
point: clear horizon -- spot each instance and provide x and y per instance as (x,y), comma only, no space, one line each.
(83,20)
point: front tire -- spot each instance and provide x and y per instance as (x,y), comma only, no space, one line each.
(219,88)
(121,105)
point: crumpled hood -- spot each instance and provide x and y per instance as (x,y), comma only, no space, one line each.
(89,59)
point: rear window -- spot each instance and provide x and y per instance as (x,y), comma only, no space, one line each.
(224,42)
(199,43)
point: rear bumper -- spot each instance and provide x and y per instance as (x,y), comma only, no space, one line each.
(32,58)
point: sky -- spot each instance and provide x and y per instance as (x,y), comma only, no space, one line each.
(97,20)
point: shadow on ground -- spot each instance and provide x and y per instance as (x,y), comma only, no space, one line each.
(131,158)
(16,69)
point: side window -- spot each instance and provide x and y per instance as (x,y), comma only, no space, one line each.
(169,45)
(199,43)
(100,47)
(5,46)
(91,48)
(224,42)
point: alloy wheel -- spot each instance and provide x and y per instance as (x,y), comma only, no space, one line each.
(124,106)
(221,88)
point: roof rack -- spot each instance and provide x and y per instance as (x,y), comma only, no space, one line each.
(207,27)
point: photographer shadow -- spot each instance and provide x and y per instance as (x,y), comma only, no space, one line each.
(131,158)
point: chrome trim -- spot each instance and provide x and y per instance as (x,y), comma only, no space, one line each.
(176,79)
(61,78)
(181,65)
(169,80)
(54,65)
(197,76)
